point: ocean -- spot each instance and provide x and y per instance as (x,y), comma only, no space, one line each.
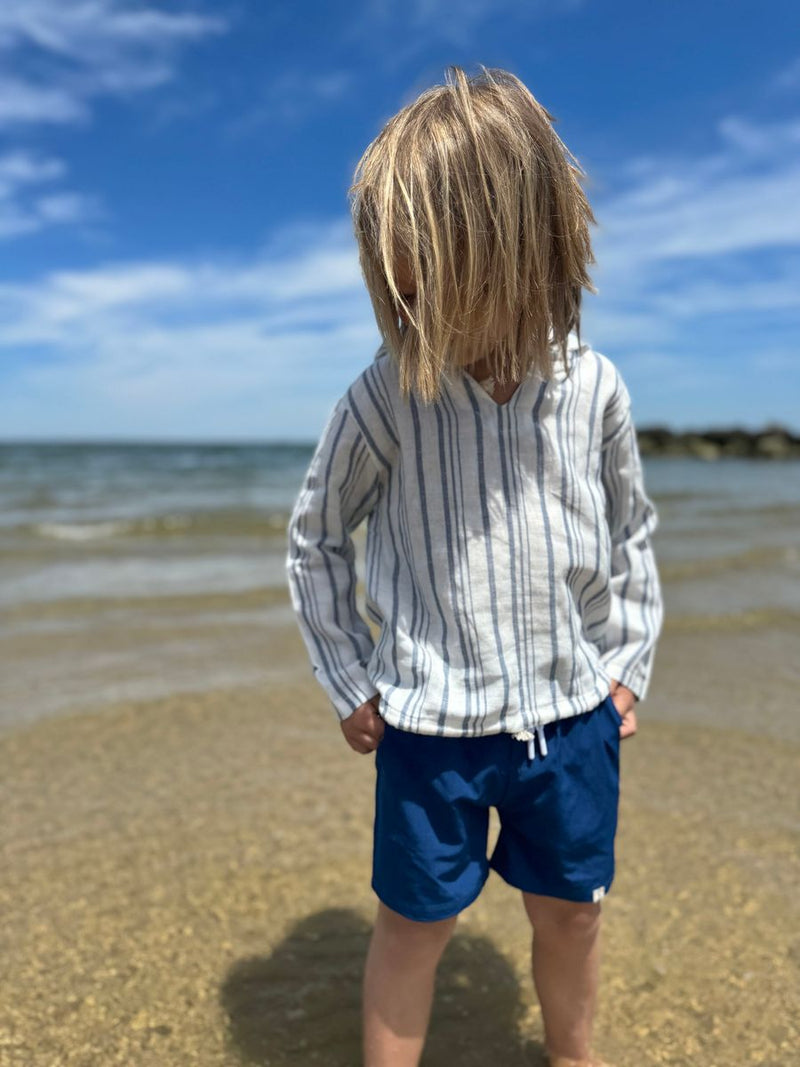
(135,570)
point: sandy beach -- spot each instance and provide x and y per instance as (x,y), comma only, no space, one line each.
(186,880)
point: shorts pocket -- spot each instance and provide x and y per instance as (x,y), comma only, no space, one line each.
(382,741)
(615,710)
(390,733)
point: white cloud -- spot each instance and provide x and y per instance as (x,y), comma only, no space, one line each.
(698,273)
(23,210)
(697,269)
(64,207)
(759,140)
(417,24)
(741,199)
(23,103)
(181,348)
(67,55)
(20,168)
(735,213)
(787,78)
(90,48)
(293,96)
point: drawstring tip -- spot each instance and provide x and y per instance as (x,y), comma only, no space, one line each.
(530,736)
(542,741)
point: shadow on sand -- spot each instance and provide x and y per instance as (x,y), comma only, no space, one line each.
(302,1004)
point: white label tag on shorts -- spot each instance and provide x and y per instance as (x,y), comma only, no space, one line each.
(598,894)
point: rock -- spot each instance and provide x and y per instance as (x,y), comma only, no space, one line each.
(773,445)
(701,448)
(773,442)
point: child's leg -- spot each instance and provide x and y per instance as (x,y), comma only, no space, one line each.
(558,822)
(398,986)
(565,962)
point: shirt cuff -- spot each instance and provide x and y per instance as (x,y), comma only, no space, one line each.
(345,706)
(636,678)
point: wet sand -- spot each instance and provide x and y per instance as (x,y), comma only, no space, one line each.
(186,881)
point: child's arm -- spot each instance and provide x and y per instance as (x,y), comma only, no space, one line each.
(637,610)
(341,487)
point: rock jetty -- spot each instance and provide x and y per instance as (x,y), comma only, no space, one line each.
(773,442)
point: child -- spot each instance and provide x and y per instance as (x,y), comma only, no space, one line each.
(508,556)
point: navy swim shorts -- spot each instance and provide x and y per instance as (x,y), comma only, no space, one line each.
(557,811)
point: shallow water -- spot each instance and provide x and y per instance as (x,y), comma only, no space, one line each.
(143,569)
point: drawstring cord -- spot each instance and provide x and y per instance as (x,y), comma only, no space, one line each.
(530,736)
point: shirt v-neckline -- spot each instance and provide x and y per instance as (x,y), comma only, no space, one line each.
(473,388)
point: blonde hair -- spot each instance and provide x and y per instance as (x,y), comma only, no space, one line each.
(471,189)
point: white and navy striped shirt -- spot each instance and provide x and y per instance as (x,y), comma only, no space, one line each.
(508,558)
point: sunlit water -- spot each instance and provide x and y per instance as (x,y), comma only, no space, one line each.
(173,545)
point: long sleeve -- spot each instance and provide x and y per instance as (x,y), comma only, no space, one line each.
(636,613)
(342,485)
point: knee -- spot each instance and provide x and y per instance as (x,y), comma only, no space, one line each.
(562,918)
(412,937)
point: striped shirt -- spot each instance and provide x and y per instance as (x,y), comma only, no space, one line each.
(508,558)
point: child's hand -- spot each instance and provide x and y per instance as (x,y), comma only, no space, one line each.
(624,701)
(364,728)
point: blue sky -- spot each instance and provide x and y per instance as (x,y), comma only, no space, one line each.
(178,254)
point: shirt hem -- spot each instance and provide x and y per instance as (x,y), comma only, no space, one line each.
(515,721)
